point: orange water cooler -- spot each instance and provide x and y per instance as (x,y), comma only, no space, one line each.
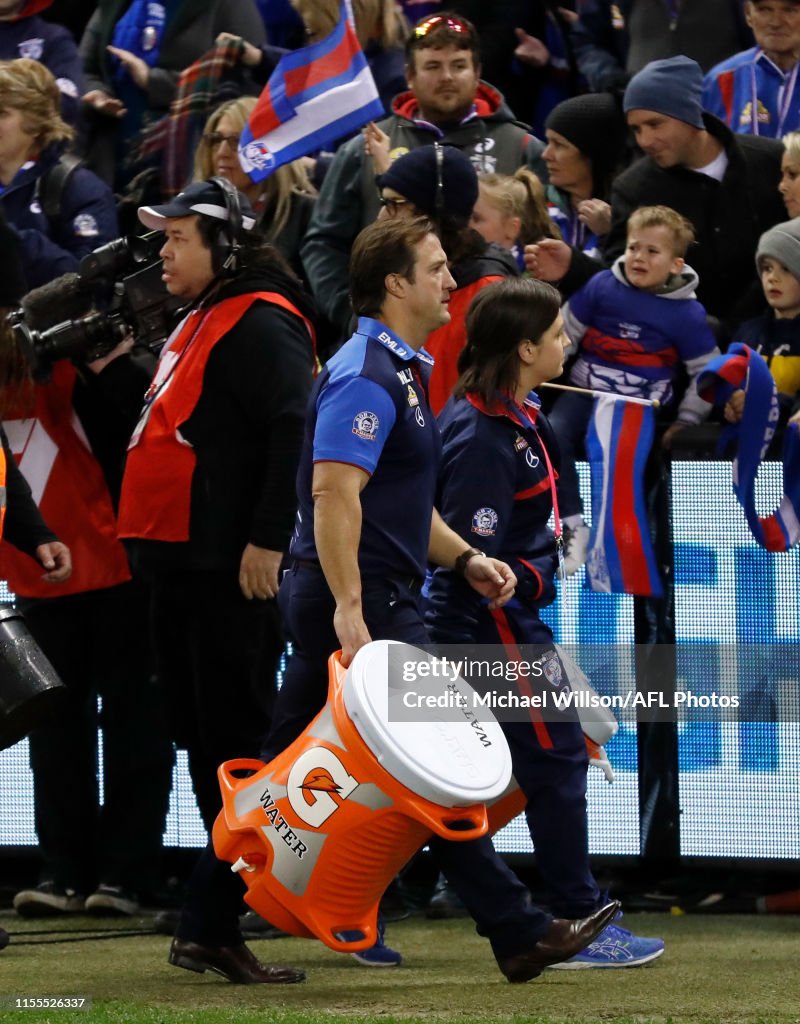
(319,832)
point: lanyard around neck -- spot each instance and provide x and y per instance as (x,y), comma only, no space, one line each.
(551,476)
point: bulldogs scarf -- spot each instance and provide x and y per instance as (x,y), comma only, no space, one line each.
(742,368)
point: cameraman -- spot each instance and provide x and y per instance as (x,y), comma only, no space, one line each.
(60,211)
(208,493)
(93,628)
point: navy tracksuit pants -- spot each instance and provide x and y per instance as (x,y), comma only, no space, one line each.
(550,762)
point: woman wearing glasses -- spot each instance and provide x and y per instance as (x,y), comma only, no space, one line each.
(282,203)
(440,182)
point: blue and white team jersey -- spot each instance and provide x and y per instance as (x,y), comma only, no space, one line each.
(369,409)
(753,96)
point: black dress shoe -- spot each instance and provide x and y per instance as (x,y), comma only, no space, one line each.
(236,963)
(562,940)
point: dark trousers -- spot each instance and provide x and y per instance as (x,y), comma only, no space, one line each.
(569,420)
(98,644)
(498,902)
(550,763)
(217,654)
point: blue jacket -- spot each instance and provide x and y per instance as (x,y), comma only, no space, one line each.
(730,89)
(494,491)
(632,341)
(53,46)
(88,219)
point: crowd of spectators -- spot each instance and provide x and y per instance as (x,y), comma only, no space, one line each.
(530,133)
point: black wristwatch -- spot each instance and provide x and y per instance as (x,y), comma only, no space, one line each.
(460,565)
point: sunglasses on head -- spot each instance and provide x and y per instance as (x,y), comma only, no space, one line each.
(441,21)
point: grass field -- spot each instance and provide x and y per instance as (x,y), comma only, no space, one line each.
(742,970)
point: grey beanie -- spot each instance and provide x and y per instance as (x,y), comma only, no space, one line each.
(673,87)
(782,243)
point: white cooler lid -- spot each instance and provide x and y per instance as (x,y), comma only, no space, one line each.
(442,758)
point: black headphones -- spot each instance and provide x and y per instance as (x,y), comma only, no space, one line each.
(439,199)
(225,252)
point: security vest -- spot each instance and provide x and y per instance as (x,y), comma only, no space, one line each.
(68,485)
(155,503)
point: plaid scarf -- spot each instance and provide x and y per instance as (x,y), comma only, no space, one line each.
(175,136)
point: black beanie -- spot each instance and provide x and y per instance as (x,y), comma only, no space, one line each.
(414,176)
(595,125)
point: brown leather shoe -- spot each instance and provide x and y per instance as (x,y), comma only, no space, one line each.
(236,963)
(562,940)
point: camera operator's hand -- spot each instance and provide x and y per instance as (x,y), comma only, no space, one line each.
(122,349)
(258,572)
(105,104)
(55,557)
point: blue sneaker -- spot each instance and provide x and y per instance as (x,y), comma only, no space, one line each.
(614,947)
(379,955)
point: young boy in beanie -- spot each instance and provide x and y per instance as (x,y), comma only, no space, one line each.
(776,333)
(633,325)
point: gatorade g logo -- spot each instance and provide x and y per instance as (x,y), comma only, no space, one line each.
(315,777)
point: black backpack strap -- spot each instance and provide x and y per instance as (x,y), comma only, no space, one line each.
(50,187)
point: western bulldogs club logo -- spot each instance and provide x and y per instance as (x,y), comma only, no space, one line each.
(85,226)
(31,48)
(551,666)
(365,425)
(258,154)
(484,522)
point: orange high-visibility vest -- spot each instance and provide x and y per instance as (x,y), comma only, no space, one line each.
(156,488)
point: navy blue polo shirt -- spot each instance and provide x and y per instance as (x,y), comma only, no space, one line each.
(369,409)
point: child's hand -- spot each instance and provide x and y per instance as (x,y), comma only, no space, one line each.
(734,407)
(376,145)
(795,418)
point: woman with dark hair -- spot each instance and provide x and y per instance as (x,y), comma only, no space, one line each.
(586,148)
(497,485)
